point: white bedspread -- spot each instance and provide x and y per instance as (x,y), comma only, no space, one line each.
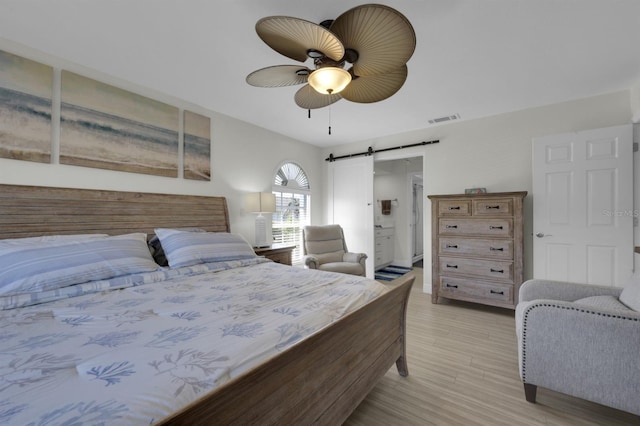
(135,355)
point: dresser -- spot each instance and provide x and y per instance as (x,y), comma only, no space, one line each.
(279,253)
(477,245)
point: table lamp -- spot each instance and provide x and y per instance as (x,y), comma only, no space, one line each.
(261,202)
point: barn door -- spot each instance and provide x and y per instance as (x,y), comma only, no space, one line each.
(350,197)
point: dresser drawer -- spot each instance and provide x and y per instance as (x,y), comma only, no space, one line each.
(495,207)
(479,227)
(493,269)
(454,208)
(384,232)
(494,249)
(279,253)
(284,258)
(473,290)
(384,249)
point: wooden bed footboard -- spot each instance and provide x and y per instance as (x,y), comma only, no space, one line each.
(320,380)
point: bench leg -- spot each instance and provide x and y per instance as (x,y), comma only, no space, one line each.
(530,392)
(401,365)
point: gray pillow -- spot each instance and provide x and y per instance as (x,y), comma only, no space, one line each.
(158,252)
(630,295)
(606,302)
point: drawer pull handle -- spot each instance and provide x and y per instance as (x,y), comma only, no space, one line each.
(496,248)
(493,207)
(451,286)
(454,208)
(497,292)
(452,246)
(500,271)
(452,226)
(495,227)
(452,266)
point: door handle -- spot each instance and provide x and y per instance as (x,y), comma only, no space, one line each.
(542,235)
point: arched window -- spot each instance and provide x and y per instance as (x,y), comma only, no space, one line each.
(293,198)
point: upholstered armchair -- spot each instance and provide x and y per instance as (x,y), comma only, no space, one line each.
(324,248)
(582,340)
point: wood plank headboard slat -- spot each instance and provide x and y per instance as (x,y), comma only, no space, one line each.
(27,211)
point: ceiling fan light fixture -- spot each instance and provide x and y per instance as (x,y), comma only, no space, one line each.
(329,80)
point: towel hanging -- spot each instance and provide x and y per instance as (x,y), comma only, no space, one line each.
(386,207)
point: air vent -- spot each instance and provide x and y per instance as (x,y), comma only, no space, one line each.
(445,118)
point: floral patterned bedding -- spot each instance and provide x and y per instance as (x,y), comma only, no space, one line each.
(138,353)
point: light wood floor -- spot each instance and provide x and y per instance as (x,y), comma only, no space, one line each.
(463,370)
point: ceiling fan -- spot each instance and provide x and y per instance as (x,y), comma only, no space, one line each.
(375,39)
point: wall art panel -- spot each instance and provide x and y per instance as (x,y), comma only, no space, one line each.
(197,146)
(105,127)
(26,89)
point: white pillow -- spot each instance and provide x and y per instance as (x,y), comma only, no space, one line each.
(630,295)
(184,248)
(48,265)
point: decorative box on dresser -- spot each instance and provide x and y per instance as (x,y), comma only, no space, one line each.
(477,245)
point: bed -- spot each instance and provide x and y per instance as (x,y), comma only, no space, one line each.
(81,354)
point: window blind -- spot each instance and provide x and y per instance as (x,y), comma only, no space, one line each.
(292,214)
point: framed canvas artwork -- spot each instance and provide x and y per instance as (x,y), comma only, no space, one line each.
(26,89)
(105,127)
(197,146)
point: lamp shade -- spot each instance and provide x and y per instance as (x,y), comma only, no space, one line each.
(260,202)
(329,80)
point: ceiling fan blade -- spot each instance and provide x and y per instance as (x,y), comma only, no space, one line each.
(308,98)
(383,38)
(279,76)
(368,89)
(294,37)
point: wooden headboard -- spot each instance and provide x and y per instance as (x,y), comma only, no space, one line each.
(28,211)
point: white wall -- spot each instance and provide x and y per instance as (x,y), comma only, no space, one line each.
(244,158)
(495,152)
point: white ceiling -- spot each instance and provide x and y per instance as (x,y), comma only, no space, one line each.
(473,57)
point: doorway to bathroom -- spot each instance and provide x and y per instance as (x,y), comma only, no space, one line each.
(399,211)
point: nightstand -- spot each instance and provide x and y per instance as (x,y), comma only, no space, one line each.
(279,253)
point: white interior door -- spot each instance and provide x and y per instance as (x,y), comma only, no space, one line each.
(583,206)
(350,196)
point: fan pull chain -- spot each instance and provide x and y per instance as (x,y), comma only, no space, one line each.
(309,113)
(329,119)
